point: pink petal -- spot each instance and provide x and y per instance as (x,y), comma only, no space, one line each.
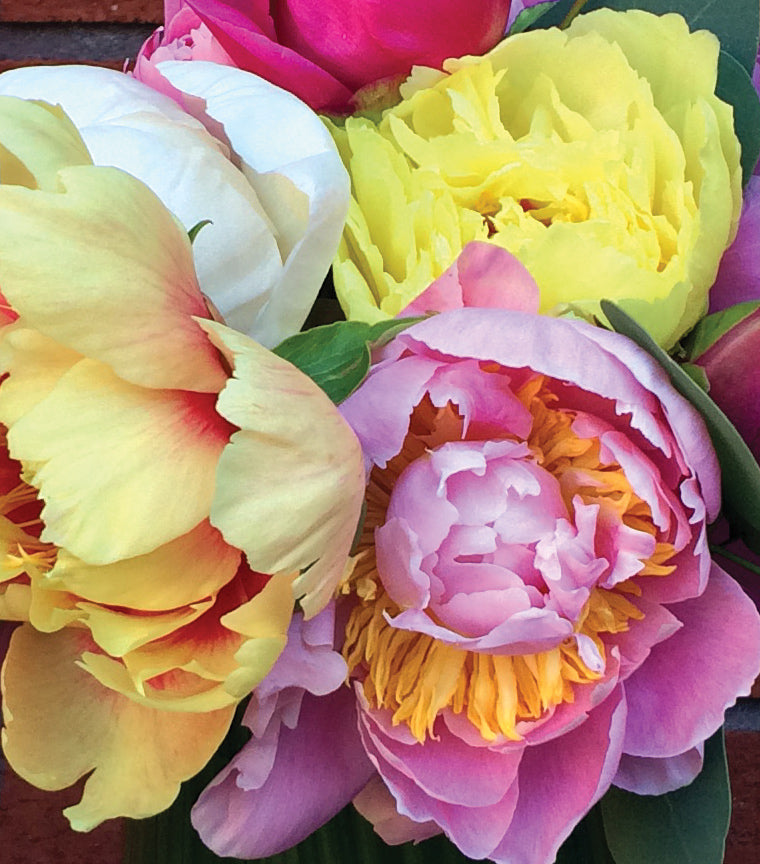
(483,275)
(319,767)
(678,697)
(647,776)
(378,806)
(559,783)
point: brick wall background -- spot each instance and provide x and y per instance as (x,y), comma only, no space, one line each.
(32,829)
(80,31)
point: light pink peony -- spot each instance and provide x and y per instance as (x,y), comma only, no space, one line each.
(533,614)
(322,51)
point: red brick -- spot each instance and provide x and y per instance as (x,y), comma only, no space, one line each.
(743,846)
(150,11)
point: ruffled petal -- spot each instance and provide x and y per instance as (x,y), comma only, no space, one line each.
(647,776)
(60,724)
(678,698)
(36,141)
(290,483)
(572,772)
(182,571)
(321,762)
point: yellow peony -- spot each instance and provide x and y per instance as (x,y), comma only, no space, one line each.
(168,487)
(599,156)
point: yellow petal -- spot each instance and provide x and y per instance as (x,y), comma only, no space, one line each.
(61,724)
(103,268)
(36,141)
(122,470)
(213,661)
(176,574)
(290,483)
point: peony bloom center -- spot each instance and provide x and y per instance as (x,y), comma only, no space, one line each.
(494,601)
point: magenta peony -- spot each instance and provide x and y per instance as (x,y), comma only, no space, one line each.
(322,51)
(532,614)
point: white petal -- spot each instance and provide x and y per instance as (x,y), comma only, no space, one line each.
(289,157)
(128,125)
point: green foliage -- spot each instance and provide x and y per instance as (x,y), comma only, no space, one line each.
(337,356)
(688,826)
(712,327)
(587,844)
(528,16)
(735,87)
(195,230)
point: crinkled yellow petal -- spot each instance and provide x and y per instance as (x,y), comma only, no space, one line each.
(36,141)
(290,483)
(213,661)
(176,574)
(121,469)
(61,724)
(15,600)
(103,268)
(115,630)
(629,192)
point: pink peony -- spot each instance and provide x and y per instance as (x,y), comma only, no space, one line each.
(532,614)
(322,51)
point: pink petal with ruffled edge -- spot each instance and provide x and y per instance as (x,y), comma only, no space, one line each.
(559,782)
(679,696)
(475,829)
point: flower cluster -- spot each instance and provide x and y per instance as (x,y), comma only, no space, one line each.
(452,559)
(144,462)
(532,602)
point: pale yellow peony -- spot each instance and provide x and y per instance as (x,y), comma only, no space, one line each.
(599,156)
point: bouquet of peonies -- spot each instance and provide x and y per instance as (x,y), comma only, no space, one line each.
(379,418)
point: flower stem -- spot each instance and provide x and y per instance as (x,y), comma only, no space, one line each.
(574,10)
(737,559)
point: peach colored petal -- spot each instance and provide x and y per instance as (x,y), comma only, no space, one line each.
(103,268)
(291,481)
(117,450)
(35,363)
(61,724)
(213,661)
(182,571)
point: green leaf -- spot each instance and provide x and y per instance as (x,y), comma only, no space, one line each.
(736,23)
(195,230)
(587,844)
(740,473)
(688,826)
(735,87)
(337,356)
(712,327)
(697,375)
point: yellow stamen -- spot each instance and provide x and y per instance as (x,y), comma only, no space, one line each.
(416,676)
